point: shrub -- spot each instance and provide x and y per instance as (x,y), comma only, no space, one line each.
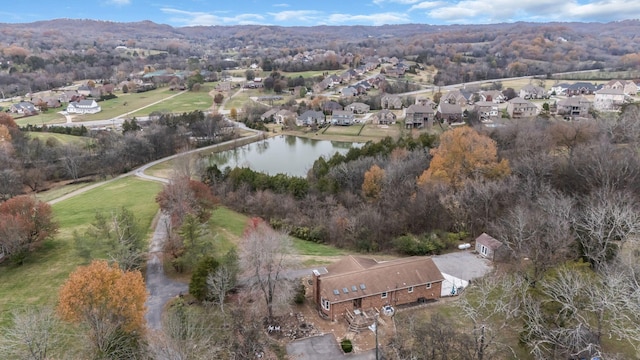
(198,284)
(346,345)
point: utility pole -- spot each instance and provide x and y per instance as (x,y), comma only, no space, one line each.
(376,324)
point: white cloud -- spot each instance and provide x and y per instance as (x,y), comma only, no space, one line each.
(119,2)
(426,5)
(404,2)
(370,19)
(476,11)
(296,15)
(281,5)
(194,18)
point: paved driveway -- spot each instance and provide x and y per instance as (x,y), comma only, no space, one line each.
(464,265)
(323,347)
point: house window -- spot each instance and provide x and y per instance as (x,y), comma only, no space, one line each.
(410,289)
(325,304)
(384,295)
(483,250)
(429,286)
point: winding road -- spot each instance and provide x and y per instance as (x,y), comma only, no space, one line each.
(161,288)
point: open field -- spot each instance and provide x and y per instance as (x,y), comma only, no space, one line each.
(125,103)
(38,280)
(49,117)
(241,98)
(62,139)
(186,102)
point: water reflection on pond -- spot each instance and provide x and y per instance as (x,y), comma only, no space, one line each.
(281,154)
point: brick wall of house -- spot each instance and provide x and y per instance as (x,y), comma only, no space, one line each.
(394,298)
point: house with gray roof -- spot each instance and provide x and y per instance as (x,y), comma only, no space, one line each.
(519,108)
(310,117)
(576,106)
(83,107)
(419,116)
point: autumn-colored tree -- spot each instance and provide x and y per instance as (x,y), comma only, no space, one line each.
(8,121)
(184,196)
(110,302)
(24,224)
(372,185)
(464,154)
(233,113)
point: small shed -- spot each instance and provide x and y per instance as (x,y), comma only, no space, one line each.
(488,246)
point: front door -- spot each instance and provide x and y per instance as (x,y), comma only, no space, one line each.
(357,303)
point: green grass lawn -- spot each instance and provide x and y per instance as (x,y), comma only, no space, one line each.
(49,117)
(37,281)
(242,97)
(186,102)
(343,130)
(61,139)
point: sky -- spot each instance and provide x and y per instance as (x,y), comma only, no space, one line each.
(323,12)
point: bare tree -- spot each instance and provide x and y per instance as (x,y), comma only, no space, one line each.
(539,232)
(189,333)
(265,258)
(576,308)
(492,306)
(219,283)
(604,223)
(33,334)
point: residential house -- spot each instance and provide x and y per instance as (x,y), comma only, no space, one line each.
(628,87)
(24,108)
(487,110)
(283,116)
(581,88)
(530,91)
(330,106)
(451,113)
(608,99)
(425,101)
(358,108)
(519,108)
(223,86)
(84,90)
(454,97)
(354,285)
(83,107)
(392,102)
(576,106)
(493,96)
(342,117)
(348,91)
(384,117)
(489,247)
(268,116)
(310,117)
(47,102)
(419,116)
(559,89)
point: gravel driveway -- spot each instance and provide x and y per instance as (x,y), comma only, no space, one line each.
(161,288)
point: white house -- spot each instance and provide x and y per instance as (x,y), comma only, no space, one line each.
(608,99)
(83,107)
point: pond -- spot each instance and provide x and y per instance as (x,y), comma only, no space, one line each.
(283,154)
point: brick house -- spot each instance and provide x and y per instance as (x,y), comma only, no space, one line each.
(356,285)
(419,116)
(576,106)
(519,108)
